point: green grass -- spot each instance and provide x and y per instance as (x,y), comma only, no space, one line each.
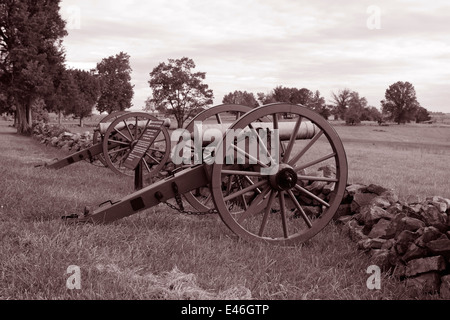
(162,254)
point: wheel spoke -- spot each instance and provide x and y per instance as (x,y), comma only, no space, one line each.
(283,213)
(311,163)
(125,155)
(306,148)
(118,131)
(252,183)
(117,150)
(129,131)
(136,127)
(313,178)
(261,142)
(246,189)
(312,195)
(291,143)
(229,184)
(219,119)
(300,209)
(154,159)
(239,181)
(155,149)
(254,205)
(276,127)
(208,198)
(248,156)
(242,173)
(119,142)
(272,196)
(160,140)
(145,127)
(146,165)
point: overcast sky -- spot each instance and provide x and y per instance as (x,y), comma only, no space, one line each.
(256,45)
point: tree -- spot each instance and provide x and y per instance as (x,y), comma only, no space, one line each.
(282,94)
(243,98)
(3,103)
(304,97)
(340,102)
(116,91)
(285,94)
(88,91)
(422,114)
(178,90)
(65,93)
(317,104)
(356,107)
(400,102)
(265,98)
(352,116)
(371,114)
(30,52)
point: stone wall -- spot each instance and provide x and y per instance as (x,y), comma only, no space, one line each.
(410,239)
(60,137)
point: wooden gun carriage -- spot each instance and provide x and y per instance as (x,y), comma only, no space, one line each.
(284,194)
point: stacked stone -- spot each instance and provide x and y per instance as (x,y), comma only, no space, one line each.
(409,238)
(322,189)
(59,137)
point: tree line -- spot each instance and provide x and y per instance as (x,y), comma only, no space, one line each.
(34,80)
(181,92)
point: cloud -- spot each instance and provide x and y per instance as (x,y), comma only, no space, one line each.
(257,45)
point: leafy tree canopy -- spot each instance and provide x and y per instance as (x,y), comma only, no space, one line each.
(31,53)
(87,94)
(243,98)
(400,102)
(116,90)
(178,90)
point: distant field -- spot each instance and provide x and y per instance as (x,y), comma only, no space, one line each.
(411,159)
(441,118)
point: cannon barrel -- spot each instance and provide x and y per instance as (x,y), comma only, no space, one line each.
(141,123)
(209,132)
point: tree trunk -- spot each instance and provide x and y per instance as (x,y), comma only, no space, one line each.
(59,117)
(23,126)
(180,123)
(81,122)
(30,114)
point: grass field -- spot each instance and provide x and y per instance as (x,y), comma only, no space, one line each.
(162,254)
(410,159)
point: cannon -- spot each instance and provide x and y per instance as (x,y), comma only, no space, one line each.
(116,138)
(284,194)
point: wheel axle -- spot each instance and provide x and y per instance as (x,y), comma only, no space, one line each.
(284,179)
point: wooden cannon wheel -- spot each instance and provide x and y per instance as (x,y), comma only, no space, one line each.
(125,132)
(282,195)
(98,136)
(201,198)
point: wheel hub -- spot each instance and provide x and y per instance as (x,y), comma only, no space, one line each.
(284,179)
